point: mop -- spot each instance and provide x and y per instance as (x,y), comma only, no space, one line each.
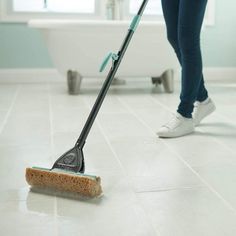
(67,174)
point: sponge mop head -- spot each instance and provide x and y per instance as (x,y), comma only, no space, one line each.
(62,180)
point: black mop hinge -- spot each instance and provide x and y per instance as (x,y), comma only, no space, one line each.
(72,160)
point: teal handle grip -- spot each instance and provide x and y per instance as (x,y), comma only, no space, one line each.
(106,60)
(135,22)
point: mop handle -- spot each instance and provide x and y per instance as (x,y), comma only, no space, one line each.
(115,64)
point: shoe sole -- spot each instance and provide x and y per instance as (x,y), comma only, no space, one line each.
(174,136)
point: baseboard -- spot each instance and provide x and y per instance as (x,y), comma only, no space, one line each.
(30,75)
(219,74)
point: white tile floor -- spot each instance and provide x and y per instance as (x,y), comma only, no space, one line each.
(152,186)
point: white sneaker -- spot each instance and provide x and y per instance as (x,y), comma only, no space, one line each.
(202,109)
(176,127)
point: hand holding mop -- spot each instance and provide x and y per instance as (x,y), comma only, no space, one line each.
(67,173)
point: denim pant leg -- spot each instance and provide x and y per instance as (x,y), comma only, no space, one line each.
(202,92)
(171,15)
(174,16)
(191,14)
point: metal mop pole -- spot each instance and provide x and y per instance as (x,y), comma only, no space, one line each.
(73,159)
(116,60)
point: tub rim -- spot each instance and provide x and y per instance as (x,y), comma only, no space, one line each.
(72,23)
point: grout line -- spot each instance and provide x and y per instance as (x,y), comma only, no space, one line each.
(52,146)
(105,137)
(121,166)
(10,108)
(202,130)
(168,189)
(181,159)
(151,132)
(220,142)
(51,122)
(159,103)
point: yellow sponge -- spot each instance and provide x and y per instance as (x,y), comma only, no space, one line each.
(84,185)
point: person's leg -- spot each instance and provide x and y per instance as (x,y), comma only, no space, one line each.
(202,94)
(178,125)
(171,15)
(191,14)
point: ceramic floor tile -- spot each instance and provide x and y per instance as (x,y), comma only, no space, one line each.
(64,101)
(117,213)
(122,125)
(188,212)
(222,178)
(97,154)
(26,130)
(19,208)
(228,111)
(138,102)
(14,160)
(209,154)
(33,90)
(149,185)
(203,137)
(38,106)
(168,100)
(148,110)
(223,92)
(110,105)
(151,166)
(69,120)
(32,100)
(7,94)
(3,114)
(63,141)
(220,129)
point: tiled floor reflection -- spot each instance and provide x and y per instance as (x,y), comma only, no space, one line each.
(152,186)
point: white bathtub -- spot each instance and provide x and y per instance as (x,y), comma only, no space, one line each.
(81,45)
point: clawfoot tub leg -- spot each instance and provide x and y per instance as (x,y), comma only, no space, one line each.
(73,81)
(167,79)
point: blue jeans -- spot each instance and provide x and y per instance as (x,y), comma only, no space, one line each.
(183,22)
